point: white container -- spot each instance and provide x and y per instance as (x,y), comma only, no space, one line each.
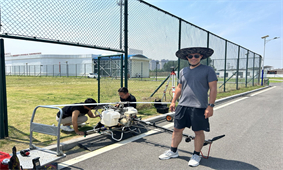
(131,111)
(110,117)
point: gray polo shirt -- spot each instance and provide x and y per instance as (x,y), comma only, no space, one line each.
(195,85)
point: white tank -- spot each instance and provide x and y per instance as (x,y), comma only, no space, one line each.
(131,111)
(110,117)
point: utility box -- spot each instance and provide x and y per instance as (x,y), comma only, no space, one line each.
(266,81)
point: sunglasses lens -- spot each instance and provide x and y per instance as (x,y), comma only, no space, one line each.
(190,56)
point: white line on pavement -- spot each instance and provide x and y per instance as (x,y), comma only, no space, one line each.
(262,91)
(224,105)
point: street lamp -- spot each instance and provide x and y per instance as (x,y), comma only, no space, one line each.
(265,41)
(120,3)
(156,69)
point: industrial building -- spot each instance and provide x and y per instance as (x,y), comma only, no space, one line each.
(37,64)
(138,66)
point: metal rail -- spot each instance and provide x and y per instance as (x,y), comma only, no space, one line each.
(46,129)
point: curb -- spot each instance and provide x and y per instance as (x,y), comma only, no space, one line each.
(67,145)
(241,94)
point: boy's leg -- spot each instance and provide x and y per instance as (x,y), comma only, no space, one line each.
(82,119)
(66,121)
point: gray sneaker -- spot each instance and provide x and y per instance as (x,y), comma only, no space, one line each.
(66,128)
(168,154)
(194,161)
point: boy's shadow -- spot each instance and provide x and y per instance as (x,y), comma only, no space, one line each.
(211,162)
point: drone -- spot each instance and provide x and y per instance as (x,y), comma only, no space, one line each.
(123,119)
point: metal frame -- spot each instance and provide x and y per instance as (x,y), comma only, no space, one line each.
(45,129)
(3,95)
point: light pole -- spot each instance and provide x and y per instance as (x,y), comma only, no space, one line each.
(265,41)
(120,3)
(156,70)
(67,69)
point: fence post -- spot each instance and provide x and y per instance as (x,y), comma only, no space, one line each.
(40,70)
(3,94)
(238,62)
(126,41)
(225,61)
(122,67)
(247,65)
(156,70)
(76,70)
(253,70)
(141,70)
(207,46)
(259,69)
(98,78)
(67,65)
(85,70)
(27,68)
(179,44)
(60,69)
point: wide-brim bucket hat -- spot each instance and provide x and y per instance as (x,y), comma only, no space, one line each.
(204,51)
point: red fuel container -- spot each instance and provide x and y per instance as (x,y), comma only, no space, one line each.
(4,159)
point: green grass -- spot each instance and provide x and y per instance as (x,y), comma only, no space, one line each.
(25,93)
(275,79)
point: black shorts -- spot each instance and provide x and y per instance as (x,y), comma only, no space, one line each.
(190,116)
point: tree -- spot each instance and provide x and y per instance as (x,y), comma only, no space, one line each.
(167,66)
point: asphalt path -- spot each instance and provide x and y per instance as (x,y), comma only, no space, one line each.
(252,125)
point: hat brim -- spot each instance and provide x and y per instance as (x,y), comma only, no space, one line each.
(205,52)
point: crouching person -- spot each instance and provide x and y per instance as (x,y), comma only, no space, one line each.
(75,115)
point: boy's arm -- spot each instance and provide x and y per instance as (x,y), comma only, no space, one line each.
(176,96)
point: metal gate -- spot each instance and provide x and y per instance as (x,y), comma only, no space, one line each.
(110,76)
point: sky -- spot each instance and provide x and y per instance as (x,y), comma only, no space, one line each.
(243,22)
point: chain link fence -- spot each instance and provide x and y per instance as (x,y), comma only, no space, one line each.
(101,24)
(90,23)
(160,34)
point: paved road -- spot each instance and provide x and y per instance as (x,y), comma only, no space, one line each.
(252,125)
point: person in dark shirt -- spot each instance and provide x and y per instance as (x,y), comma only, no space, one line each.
(194,108)
(75,115)
(125,96)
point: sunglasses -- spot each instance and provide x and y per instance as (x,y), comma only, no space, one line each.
(195,55)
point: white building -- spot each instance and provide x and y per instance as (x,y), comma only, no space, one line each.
(242,73)
(37,64)
(162,62)
(49,64)
(153,64)
(138,66)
